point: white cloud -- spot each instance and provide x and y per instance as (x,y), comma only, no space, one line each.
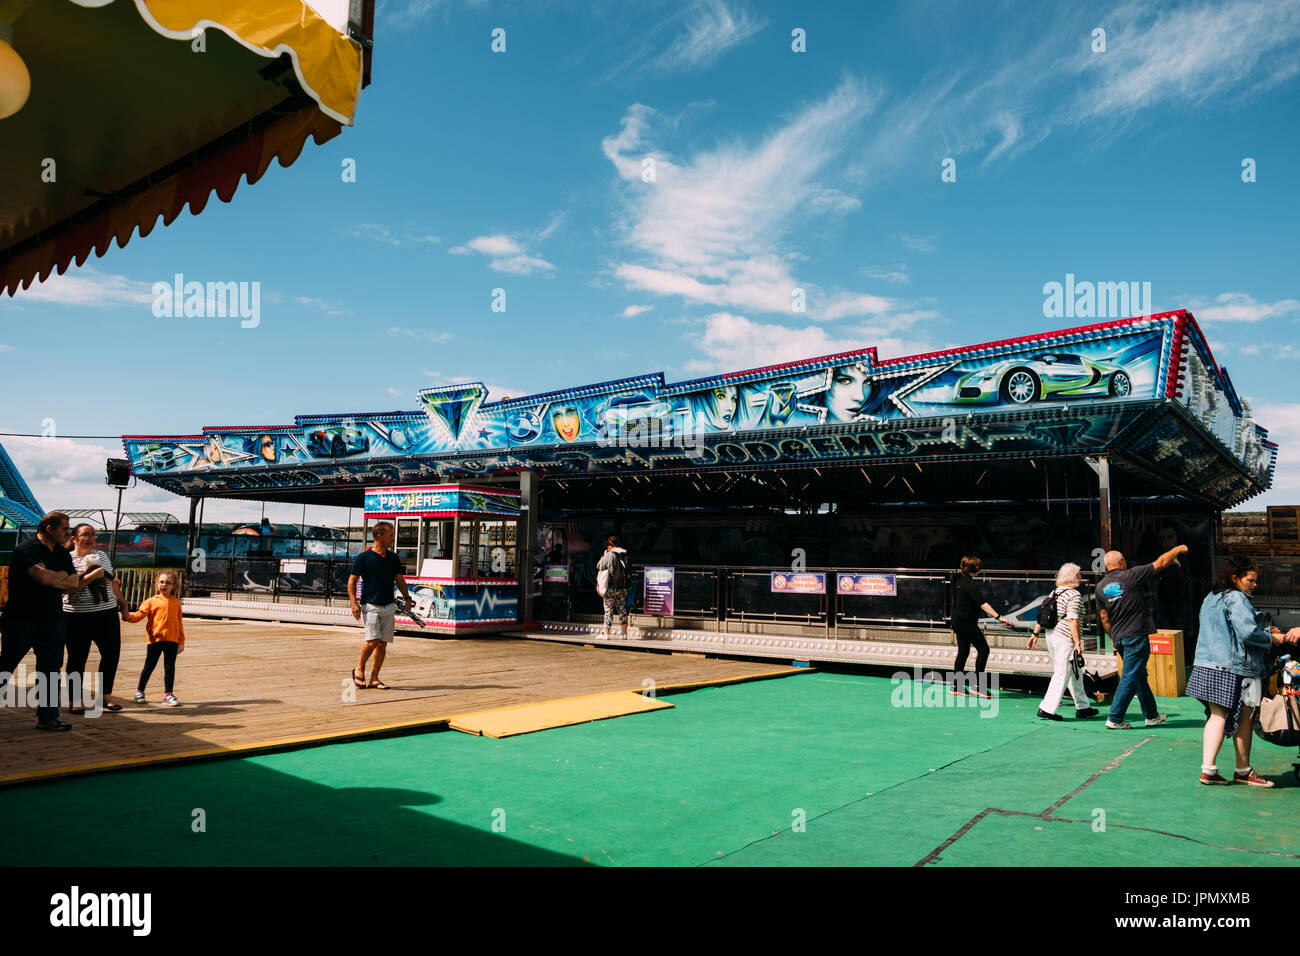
(422,334)
(1163,56)
(1283,423)
(632,311)
(90,287)
(6,348)
(329,308)
(900,274)
(919,243)
(495,392)
(380,233)
(734,343)
(712,28)
(711,229)
(1011,128)
(1240,307)
(506,253)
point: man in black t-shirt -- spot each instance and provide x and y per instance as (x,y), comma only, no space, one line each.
(378,570)
(1125,615)
(40,571)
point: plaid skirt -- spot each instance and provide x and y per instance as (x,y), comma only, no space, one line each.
(1212,686)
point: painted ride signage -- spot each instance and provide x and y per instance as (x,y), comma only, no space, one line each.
(659,584)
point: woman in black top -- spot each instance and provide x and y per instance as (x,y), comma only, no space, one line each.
(968,601)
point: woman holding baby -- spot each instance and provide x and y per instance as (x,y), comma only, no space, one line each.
(92,617)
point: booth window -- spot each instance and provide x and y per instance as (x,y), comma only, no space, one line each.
(487,549)
(437,539)
(408,540)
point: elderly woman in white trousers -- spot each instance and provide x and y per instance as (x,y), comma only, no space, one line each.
(1062,643)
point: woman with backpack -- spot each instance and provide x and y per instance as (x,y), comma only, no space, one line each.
(1058,615)
(611,583)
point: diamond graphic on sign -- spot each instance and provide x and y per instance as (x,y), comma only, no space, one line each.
(452,406)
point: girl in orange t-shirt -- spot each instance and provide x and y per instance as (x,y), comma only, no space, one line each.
(166,636)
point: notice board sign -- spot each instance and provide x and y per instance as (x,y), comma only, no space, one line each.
(801,582)
(293,565)
(873,585)
(556,574)
(658,598)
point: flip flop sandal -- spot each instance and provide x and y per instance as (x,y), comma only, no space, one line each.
(113,707)
(359,681)
(379,685)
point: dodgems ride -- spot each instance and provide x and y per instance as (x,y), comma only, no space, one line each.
(1048,375)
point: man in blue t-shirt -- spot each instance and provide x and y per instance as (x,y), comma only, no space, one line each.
(378,570)
(1122,603)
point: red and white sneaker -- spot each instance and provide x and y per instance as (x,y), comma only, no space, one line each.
(1214,779)
(1252,778)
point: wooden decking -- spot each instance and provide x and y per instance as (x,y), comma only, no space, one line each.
(255,686)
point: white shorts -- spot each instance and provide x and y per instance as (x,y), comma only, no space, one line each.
(379,621)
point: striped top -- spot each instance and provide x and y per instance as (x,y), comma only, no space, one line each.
(1068,602)
(93,597)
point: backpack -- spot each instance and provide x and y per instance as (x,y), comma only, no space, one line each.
(1049,615)
(617,571)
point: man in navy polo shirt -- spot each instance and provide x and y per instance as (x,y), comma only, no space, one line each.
(40,571)
(378,569)
(1122,603)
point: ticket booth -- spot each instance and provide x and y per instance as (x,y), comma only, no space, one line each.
(459,549)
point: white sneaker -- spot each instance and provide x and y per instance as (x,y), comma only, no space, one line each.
(139,697)
(1157,720)
(1122,725)
(170,700)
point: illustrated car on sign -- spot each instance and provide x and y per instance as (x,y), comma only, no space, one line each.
(430,601)
(626,410)
(156,458)
(336,441)
(1019,381)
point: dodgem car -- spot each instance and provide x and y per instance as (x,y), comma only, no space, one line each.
(1020,381)
(337,440)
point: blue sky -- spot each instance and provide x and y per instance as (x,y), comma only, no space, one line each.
(774,170)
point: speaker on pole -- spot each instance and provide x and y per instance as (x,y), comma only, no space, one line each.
(118,472)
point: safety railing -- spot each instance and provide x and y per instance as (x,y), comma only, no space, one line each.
(921,597)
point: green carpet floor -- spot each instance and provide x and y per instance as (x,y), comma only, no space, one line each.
(816,769)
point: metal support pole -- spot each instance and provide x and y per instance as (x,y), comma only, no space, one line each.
(526,542)
(117,521)
(191,542)
(1103,482)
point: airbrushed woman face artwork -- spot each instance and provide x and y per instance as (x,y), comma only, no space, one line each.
(849,393)
(725,403)
(567,422)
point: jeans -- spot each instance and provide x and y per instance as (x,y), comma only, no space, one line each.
(1135,651)
(45,635)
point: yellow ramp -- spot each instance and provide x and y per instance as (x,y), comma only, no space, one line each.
(527,718)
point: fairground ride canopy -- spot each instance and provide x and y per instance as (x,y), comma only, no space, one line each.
(1025,413)
(138,108)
